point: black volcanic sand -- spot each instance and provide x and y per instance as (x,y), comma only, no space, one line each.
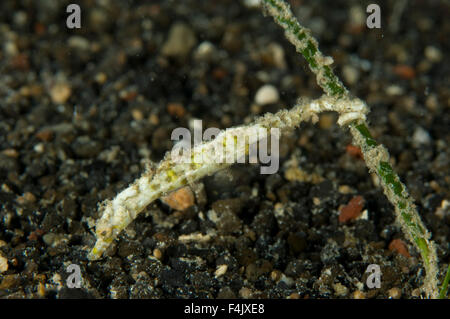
(83,111)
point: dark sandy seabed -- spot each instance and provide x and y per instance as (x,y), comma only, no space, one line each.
(82,112)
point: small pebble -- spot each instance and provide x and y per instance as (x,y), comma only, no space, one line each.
(221,270)
(421,137)
(180,199)
(395,293)
(60,93)
(78,42)
(275,275)
(354,151)
(137,114)
(153,119)
(359,295)
(432,102)
(404,71)
(3,264)
(394,90)
(352,210)
(226,293)
(327,120)
(100,78)
(294,295)
(357,16)
(180,41)
(275,53)
(340,289)
(10,152)
(157,253)
(9,281)
(39,148)
(440,212)
(399,246)
(267,94)
(41,290)
(288,281)
(44,135)
(433,54)
(204,51)
(351,74)
(10,48)
(176,109)
(26,198)
(252,4)
(345,189)
(245,293)
(416,292)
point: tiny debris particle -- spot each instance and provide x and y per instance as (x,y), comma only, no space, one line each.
(267,94)
(180,199)
(3,264)
(400,247)
(221,270)
(352,210)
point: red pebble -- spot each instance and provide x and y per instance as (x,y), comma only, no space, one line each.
(354,151)
(352,210)
(400,247)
